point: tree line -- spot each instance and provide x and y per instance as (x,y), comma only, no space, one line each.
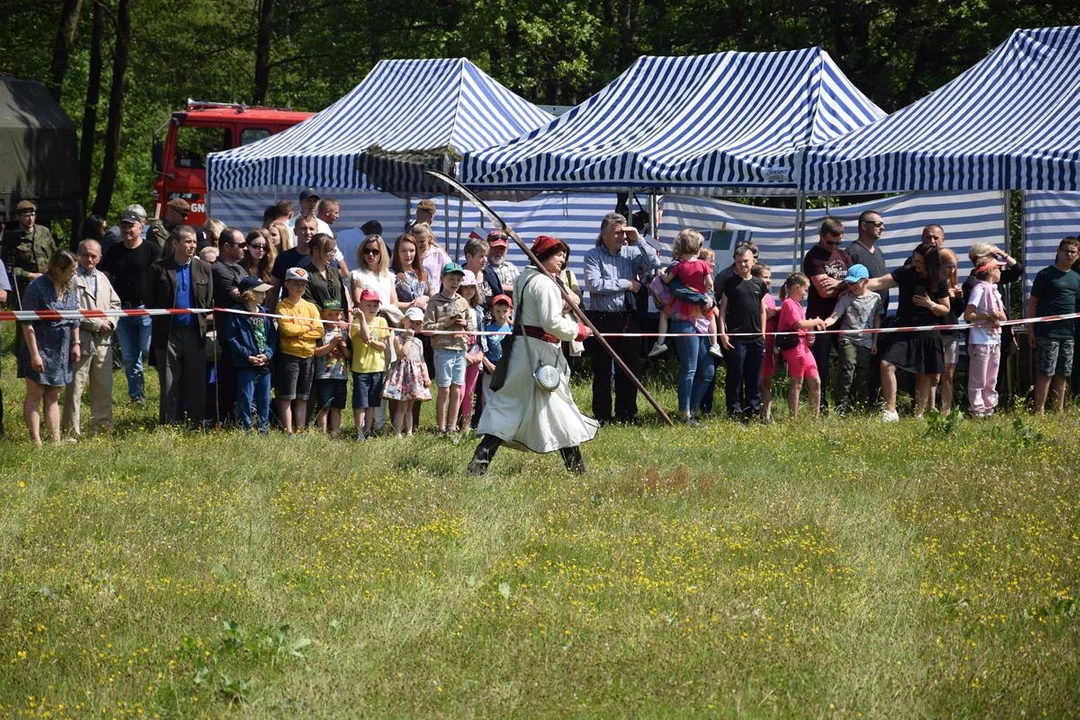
(120,67)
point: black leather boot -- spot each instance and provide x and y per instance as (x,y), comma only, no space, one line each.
(483,454)
(572,458)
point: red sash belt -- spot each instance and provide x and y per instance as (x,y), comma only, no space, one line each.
(538,332)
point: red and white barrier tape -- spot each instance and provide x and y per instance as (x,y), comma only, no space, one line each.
(53,315)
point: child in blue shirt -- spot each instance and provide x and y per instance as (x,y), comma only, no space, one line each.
(501,307)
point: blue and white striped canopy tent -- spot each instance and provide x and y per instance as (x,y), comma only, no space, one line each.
(401,106)
(699,124)
(1011,122)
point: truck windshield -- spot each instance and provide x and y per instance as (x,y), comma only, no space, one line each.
(193,144)
(250,135)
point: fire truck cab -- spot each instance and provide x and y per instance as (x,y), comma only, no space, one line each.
(195,132)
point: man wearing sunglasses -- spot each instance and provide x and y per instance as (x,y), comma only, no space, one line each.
(228,272)
(826,265)
(864,250)
(176,212)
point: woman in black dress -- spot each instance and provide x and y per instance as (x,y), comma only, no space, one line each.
(924,299)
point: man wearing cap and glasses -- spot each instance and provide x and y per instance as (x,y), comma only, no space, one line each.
(826,265)
(309,207)
(126,264)
(31,254)
(176,212)
(498,245)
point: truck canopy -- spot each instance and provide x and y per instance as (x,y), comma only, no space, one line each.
(37,143)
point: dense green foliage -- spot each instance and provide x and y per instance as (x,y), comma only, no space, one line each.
(555,53)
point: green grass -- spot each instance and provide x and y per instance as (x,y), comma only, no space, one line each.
(838,568)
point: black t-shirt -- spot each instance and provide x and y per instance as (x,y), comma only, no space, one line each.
(126,267)
(743,306)
(875,263)
(226,277)
(289,259)
(909,284)
(819,261)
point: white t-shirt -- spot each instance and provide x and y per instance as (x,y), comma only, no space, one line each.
(986,299)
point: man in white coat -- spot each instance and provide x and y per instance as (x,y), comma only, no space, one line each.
(96,364)
(523,413)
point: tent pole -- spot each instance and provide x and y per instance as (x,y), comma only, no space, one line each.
(800,231)
(446,223)
(460,210)
(408,207)
(654,222)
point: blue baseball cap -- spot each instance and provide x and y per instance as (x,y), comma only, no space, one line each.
(856,273)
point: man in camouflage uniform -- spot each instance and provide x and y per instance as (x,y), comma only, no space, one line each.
(31,255)
(176,213)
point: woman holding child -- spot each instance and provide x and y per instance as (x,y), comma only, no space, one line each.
(690,323)
(924,299)
(522,413)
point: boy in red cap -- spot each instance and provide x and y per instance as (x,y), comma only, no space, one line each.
(370,335)
(501,308)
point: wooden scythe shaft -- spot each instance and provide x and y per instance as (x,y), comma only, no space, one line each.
(571,302)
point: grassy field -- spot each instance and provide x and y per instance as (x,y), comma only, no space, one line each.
(839,568)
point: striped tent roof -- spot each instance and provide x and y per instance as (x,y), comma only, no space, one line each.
(685,124)
(1011,122)
(402,106)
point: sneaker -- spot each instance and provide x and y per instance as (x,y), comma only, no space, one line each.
(657,349)
(716,352)
(890,416)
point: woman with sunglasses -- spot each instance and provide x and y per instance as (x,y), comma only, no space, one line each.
(259,259)
(373,273)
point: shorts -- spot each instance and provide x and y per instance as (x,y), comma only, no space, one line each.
(449,368)
(800,361)
(367,390)
(292,376)
(331,393)
(950,345)
(1053,356)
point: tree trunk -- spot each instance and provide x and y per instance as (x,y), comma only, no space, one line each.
(65,40)
(262,52)
(93,97)
(107,181)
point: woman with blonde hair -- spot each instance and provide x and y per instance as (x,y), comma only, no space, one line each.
(373,273)
(50,348)
(432,256)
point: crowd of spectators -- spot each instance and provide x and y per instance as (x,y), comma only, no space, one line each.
(291,317)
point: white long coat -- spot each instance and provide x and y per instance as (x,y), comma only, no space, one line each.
(521,413)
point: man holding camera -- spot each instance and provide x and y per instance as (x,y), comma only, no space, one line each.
(613,272)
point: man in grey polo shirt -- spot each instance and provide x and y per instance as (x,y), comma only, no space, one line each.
(613,272)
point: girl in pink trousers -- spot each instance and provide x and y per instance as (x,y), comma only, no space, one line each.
(985,311)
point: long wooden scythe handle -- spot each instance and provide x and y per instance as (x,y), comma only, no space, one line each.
(570,302)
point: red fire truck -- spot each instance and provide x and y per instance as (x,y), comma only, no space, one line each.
(195,132)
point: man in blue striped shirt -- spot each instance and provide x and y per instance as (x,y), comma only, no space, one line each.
(614,270)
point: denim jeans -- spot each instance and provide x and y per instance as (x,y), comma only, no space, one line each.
(744,377)
(253,387)
(134,336)
(696,367)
